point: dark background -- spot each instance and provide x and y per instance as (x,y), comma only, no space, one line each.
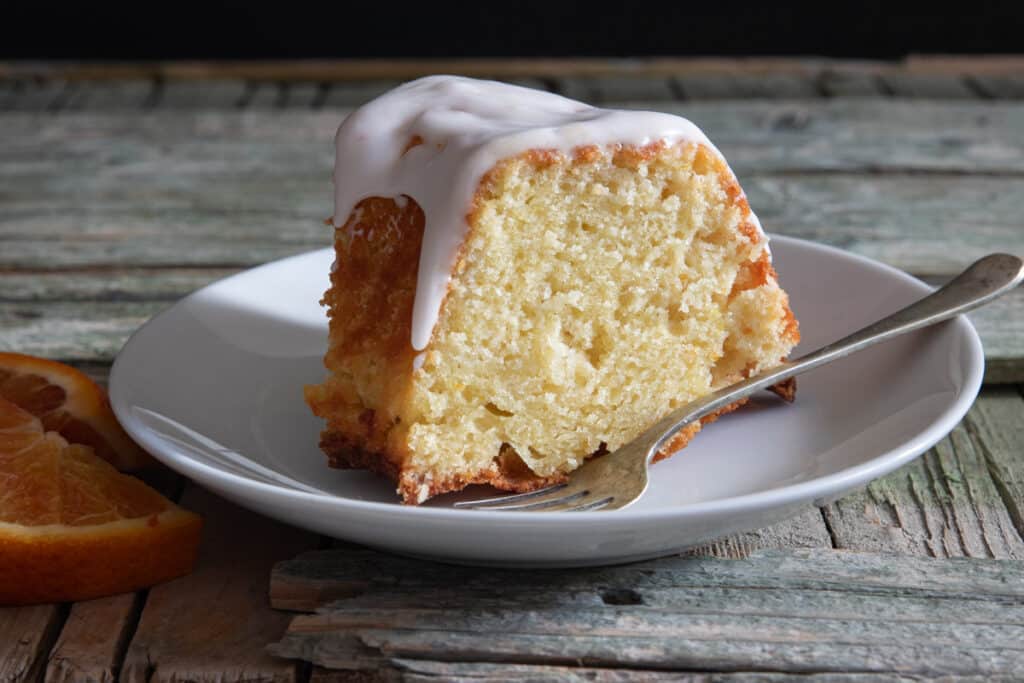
(218,29)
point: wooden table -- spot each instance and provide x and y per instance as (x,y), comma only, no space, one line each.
(124,188)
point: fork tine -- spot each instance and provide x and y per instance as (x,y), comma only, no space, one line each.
(586,504)
(587,507)
(556,498)
(510,498)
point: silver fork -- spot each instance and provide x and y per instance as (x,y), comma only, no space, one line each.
(618,479)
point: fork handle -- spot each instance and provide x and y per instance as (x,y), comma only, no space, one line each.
(986,279)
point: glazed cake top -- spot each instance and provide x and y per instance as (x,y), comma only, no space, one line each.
(460,128)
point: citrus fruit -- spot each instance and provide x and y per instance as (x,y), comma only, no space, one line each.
(70,403)
(73,528)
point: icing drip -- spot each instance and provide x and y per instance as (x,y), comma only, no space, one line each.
(433,139)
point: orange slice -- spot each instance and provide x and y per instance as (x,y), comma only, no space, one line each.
(74,528)
(71,404)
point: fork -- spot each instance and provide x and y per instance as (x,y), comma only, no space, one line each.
(618,479)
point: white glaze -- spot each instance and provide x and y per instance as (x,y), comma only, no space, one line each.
(467,126)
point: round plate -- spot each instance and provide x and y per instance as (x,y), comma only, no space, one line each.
(213,388)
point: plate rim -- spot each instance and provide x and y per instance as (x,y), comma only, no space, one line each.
(819,488)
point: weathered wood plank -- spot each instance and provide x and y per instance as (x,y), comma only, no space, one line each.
(304,95)
(66,332)
(843,83)
(928,85)
(93,639)
(996,423)
(222,94)
(425,671)
(927,226)
(320,577)
(806,530)
(500,67)
(8,91)
(212,625)
(131,95)
(355,93)
(165,284)
(264,96)
(839,134)
(612,89)
(810,611)
(26,636)
(732,86)
(404,68)
(37,96)
(944,504)
(1008,86)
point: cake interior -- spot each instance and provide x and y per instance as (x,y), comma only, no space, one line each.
(595,292)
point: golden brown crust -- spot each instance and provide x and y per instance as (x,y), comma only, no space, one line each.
(379,243)
(509,472)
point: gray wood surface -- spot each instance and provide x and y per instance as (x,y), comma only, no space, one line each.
(944,504)
(840,83)
(743,86)
(117,197)
(934,86)
(798,610)
(997,424)
(1004,86)
(611,90)
(421,671)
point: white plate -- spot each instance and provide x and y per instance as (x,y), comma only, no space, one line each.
(213,388)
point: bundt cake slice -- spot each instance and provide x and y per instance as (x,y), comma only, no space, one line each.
(523,281)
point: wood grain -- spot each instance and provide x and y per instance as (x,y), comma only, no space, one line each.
(1009,86)
(360,69)
(354,94)
(212,625)
(264,95)
(36,96)
(614,89)
(805,530)
(852,134)
(72,331)
(847,83)
(820,611)
(131,95)
(183,94)
(996,424)
(746,86)
(93,640)
(425,671)
(105,285)
(944,504)
(370,69)
(928,85)
(26,636)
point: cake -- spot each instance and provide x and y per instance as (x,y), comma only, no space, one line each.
(523,281)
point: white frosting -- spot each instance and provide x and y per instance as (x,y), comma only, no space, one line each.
(466,127)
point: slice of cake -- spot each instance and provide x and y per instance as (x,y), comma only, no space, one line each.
(523,281)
